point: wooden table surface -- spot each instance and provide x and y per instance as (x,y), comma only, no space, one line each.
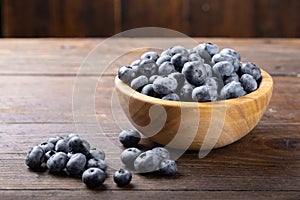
(37,77)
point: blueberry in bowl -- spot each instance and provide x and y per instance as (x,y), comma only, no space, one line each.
(214,100)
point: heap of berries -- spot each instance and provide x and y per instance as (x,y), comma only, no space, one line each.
(201,74)
(74,156)
(154,160)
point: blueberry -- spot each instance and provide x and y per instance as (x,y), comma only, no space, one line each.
(195,57)
(47,146)
(163,59)
(126,74)
(162,153)
(139,82)
(122,177)
(215,82)
(149,91)
(165,85)
(248,82)
(206,51)
(171,97)
(57,162)
(232,90)
(232,77)
(252,69)
(147,161)
(128,157)
(178,60)
(148,68)
(97,154)
(195,73)
(79,145)
(153,77)
(208,70)
(54,139)
(135,63)
(101,164)
(93,177)
(205,93)
(178,49)
(226,57)
(166,68)
(231,52)
(179,78)
(150,55)
(48,154)
(76,164)
(223,68)
(168,167)
(166,52)
(35,157)
(62,145)
(129,138)
(186,92)
(70,136)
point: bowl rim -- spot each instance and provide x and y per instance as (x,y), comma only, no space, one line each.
(266,85)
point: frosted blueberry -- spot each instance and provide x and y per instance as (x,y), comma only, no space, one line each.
(139,82)
(163,59)
(122,177)
(54,139)
(57,162)
(162,153)
(232,90)
(148,90)
(168,167)
(195,73)
(150,55)
(226,57)
(147,161)
(47,146)
(231,52)
(204,93)
(166,68)
(76,164)
(35,157)
(178,61)
(101,164)
(223,68)
(126,74)
(62,145)
(148,68)
(248,82)
(179,49)
(171,97)
(153,77)
(165,85)
(179,78)
(48,154)
(97,153)
(128,157)
(79,145)
(186,92)
(252,69)
(129,138)
(214,82)
(232,77)
(93,177)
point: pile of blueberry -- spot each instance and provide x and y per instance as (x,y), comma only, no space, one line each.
(74,156)
(201,74)
(154,160)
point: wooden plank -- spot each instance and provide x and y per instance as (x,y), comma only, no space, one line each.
(131,194)
(65,56)
(48,99)
(54,18)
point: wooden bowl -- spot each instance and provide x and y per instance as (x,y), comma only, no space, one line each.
(193,125)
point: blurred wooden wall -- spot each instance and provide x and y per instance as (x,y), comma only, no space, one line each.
(102,18)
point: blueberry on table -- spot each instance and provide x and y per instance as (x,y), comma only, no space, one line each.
(122,177)
(79,145)
(147,161)
(195,73)
(101,164)
(93,177)
(76,164)
(97,153)
(166,68)
(48,154)
(62,145)
(150,55)
(232,90)
(35,157)
(168,167)
(163,59)
(165,85)
(171,97)
(248,82)
(47,146)
(129,155)
(54,139)
(57,162)
(252,69)
(162,153)
(139,82)
(129,138)
(126,74)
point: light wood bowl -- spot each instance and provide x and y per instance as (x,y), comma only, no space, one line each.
(192,125)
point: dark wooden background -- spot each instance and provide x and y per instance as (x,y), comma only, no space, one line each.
(102,18)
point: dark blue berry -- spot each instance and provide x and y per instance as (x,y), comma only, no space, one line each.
(93,177)
(165,85)
(223,68)
(139,82)
(248,82)
(163,59)
(47,146)
(168,167)
(252,69)
(232,90)
(179,78)
(204,93)
(226,57)
(178,60)
(76,164)
(171,97)
(126,74)
(57,162)
(232,77)
(62,145)
(101,164)
(195,73)
(35,157)
(179,50)
(122,177)
(149,91)
(166,68)
(97,153)
(54,139)
(231,52)
(129,138)
(79,145)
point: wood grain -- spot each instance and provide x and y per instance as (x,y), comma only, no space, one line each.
(36,83)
